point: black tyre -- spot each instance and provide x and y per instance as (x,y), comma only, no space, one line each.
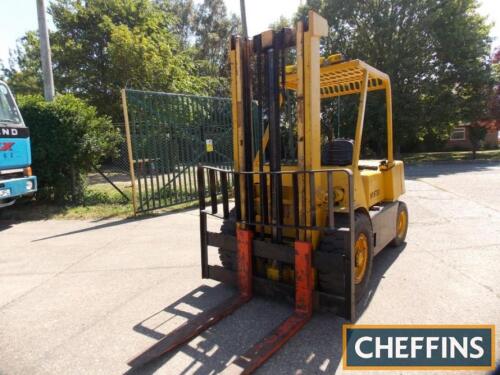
(333,281)
(401,225)
(228,257)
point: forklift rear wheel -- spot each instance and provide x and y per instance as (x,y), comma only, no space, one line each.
(401,225)
(333,281)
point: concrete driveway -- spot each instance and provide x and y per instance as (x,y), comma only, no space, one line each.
(82,297)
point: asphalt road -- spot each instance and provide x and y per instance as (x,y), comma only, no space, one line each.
(82,297)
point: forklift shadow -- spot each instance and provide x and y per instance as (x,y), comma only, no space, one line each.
(316,349)
(381,263)
(105,223)
(213,349)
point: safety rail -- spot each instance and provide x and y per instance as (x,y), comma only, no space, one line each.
(270,202)
(219,190)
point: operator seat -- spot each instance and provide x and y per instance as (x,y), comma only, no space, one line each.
(337,152)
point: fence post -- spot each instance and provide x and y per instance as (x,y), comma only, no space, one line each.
(129,148)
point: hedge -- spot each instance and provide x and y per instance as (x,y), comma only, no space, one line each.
(67,138)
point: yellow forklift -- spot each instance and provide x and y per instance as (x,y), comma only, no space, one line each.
(308,215)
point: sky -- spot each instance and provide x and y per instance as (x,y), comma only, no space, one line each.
(19,16)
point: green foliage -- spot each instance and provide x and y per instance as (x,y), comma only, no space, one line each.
(281,23)
(68,137)
(25,73)
(101,46)
(495,95)
(436,53)
(213,29)
(182,12)
(205,29)
(100,201)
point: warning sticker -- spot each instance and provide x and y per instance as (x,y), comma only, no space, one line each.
(210,145)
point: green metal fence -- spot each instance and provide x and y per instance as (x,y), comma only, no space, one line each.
(168,135)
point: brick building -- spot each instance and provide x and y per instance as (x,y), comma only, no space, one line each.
(459,138)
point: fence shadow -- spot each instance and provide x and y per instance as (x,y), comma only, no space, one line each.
(317,348)
(114,223)
(96,178)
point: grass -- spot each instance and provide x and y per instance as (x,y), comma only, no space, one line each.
(101,201)
(450,156)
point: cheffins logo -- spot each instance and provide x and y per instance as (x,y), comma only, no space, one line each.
(418,347)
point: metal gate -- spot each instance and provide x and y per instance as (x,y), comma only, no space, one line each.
(168,135)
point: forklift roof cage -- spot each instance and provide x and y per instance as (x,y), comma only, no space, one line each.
(343,78)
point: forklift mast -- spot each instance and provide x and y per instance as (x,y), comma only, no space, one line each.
(258,72)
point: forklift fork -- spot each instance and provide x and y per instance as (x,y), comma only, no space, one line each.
(205,320)
(263,350)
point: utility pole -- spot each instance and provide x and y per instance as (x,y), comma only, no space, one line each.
(48,78)
(243,18)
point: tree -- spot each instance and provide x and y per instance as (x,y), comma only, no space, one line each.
(477,133)
(25,72)
(213,29)
(494,106)
(491,121)
(182,12)
(206,29)
(436,53)
(281,23)
(100,46)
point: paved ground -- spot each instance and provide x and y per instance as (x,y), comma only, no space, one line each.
(83,297)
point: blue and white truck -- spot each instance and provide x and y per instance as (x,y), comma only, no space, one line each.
(16,179)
